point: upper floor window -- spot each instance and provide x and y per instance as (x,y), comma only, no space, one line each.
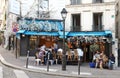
(117,9)
(75,2)
(97,22)
(97,1)
(76,22)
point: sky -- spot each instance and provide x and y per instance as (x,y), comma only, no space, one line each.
(26,5)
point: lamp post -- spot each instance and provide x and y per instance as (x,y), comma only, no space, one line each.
(64,14)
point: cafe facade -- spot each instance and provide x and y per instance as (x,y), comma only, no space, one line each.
(33,33)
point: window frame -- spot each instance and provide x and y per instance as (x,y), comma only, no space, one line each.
(75,2)
(98,1)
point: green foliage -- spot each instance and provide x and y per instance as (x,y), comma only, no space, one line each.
(94,47)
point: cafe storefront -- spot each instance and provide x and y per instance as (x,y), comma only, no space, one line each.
(34,33)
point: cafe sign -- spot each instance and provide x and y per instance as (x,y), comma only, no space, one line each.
(40,25)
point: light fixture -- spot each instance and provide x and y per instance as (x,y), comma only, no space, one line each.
(23,35)
(64,13)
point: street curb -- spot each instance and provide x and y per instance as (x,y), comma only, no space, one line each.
(2,60)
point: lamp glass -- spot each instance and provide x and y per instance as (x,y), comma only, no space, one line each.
(64,13)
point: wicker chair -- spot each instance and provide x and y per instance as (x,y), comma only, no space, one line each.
(59,53)
(69,55)
(75,54)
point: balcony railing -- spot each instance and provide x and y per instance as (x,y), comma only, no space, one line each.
(97,1)
(98,27)
(75,28)
(75,2)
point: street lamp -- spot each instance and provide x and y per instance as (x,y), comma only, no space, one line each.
(64,14)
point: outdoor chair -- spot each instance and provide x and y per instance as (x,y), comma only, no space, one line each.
(69,55)
(37,60)
(75,54)
(59,53)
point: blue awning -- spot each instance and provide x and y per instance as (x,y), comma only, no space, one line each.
(20,31)
(106,33)
(90,33)
(41,33)
(61,34)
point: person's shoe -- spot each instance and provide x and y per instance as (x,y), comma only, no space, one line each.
(101,67)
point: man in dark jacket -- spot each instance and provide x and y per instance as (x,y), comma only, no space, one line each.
(49,53)
(111,61)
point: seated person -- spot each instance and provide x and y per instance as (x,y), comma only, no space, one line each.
(41,55)
(111,61)
(105,61)
(96,58)
(37,60)
(101,62)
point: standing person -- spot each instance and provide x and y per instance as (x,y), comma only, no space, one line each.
(50,56)
(55,46)
(43,47)
(69,44)
(111,61)
(55,49)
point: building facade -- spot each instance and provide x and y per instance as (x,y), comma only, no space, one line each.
(87,15)
(117,22)
(2,14)
(92,15)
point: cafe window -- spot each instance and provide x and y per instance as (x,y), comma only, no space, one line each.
(33,42)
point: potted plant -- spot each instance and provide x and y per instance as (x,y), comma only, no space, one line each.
(94,47)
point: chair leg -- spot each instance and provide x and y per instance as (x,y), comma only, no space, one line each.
(69,58)
(56,61)
(37,61)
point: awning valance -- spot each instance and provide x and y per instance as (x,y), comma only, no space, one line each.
(21,32)
(106,33)
(91,33)
(41,33)
(61,34)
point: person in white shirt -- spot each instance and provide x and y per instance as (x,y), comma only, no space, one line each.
(59,53)
(96,58)
(43,48)
(80,52)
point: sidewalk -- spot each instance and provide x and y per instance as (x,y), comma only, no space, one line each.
(8,58)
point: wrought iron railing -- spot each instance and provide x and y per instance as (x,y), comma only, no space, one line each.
(97,1)
(75,2)
(75,28)
(98,27)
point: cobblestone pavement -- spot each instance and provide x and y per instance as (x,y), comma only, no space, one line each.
(8,58)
